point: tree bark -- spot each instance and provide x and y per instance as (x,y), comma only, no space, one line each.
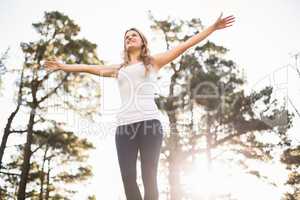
(48,182)
(42,177)
(208,151)
(174,164)
(7,128)
(27,156)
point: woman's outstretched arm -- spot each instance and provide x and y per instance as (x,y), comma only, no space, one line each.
(164,58)
(100,70)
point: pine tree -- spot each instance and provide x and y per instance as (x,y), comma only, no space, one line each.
(206,91)
(39,90)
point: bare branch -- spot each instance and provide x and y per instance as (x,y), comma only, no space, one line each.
(8,173)
(54,90)
(17,131)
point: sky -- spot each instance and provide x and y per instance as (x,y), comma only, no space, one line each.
(262,42)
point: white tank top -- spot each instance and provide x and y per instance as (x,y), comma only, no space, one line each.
(137,94)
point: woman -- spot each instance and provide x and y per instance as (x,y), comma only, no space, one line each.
(139,127)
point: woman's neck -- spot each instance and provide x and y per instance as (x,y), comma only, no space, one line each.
(135,57)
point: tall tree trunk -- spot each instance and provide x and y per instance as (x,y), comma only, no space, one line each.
(174,177)
(175,151)
(27,156)
(6,133)
(42,177)
(7,129)
(48,182)
(27,149)
(208,144)
(174,164)
(208,152)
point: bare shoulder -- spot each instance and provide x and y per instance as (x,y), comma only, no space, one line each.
(108,70)
(115,66)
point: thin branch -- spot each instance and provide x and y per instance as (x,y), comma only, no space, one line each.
(294,107)
(37,121)
(54,90)
(39,147)
(18,131)
(298,72)
(50,106)
(7,173)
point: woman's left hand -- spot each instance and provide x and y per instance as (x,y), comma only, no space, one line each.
(223,22)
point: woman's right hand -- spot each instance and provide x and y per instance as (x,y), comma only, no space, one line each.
(53,64)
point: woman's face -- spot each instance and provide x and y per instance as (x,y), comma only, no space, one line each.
(133,40)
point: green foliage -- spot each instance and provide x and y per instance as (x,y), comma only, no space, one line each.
(59,38)
(93,197)
(291,158)
(54,147)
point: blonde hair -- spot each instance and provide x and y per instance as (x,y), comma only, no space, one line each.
(145,52)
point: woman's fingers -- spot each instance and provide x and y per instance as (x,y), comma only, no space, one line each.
(226,22)
(228,25)
(229,22)
(229,17)
(51,64)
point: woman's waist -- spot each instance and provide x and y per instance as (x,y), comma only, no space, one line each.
(134,115)
(138,107)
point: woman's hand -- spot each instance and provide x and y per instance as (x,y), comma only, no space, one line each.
(53,64)
(223,22)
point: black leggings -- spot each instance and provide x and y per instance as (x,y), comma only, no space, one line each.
(145,137)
